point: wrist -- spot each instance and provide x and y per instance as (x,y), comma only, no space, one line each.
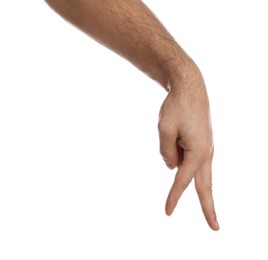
(182,73)
(175,67)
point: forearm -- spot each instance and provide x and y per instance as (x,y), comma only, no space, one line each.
(130,29)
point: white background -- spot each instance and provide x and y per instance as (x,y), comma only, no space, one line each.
(80,173)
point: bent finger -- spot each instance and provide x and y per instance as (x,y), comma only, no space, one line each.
(169,147)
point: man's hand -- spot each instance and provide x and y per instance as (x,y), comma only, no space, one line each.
(186,139)
(130,29)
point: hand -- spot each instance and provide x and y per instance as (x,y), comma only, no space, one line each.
(186,140)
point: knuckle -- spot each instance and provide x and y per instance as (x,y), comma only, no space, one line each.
(165,129)
(204,191)
(206,149)
(161,126)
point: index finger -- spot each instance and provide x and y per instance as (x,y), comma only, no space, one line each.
(182,180)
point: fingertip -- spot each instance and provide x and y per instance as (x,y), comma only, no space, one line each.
(169,212)
(215,228)
(169,208)
(171,166)
(214,224)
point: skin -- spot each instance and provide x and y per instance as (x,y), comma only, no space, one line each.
(130,29)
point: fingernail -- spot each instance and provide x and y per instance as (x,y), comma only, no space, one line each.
(217,224)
